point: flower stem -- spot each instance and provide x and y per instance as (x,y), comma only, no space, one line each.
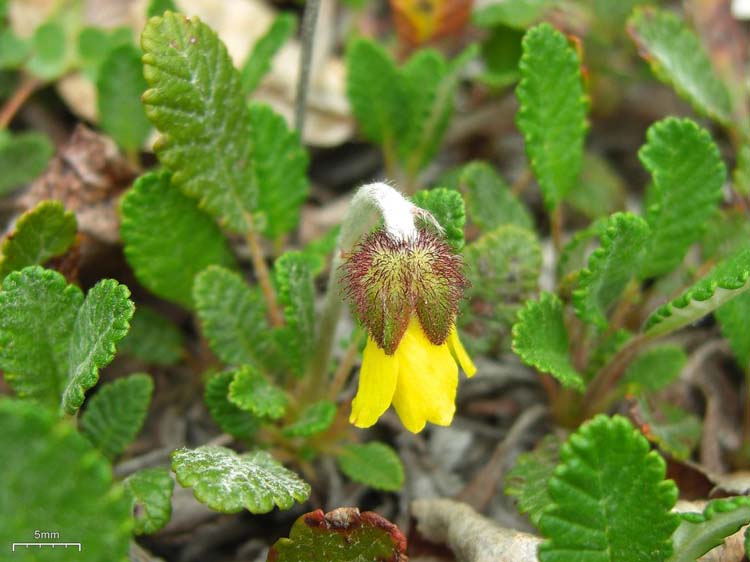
(345,367)
(28,86)
(264,278)
(310,18)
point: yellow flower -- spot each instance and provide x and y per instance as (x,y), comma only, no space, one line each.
(419,378)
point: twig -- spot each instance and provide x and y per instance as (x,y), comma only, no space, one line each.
(312,8)
(264,278)
(27,87)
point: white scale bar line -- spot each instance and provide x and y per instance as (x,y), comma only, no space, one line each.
(41,544)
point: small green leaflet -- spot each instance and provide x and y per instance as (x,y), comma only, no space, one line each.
(116,413)
(314,419)
(688,174)
(253,392)
(663,39)
(733,318)
(447,206)
(518,14)
(23,157)
(50,56)
(230,418)
(606,474)
(540,339)
(119,90)
(600,191)
(152,338)
(44,232)
(55,479)
(228,482)
(676,431)
(158,7)
(13,49)
(258,63)
(95,45)
(654,368)
(166,260)
(374,464)
(552,111)
(151,492)
(53,341)
(527,480)
(610,267)
(727,280)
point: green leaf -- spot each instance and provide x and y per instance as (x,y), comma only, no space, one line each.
(259,62)
(733,318)
(574,254)
(231,419)
(50,56)
(698,533)
(158,7)
(342,535)
(279,166)
(663,39)
(727,231)
(430,84)
(674,430)
(228,482)
(23,157)
(540,339)
(38,310)
(196,102)
(13,49)
(527,480)
(376,94)
(102,320)
(119,90)
(44,232)
(501,51)
(95,44)
(233,317)
(314,419)
(447,206)
(503,267)
(54,480)
(519,14)
(152,338)
(116,413)
(151,493)
(741,174)
(296,294)
(727,280)
(253,392)
(374,464)
(606,476)
(166,260)
(600,191)
(688,174)
(654,369)
(552,111)
(610,267)
(489,200)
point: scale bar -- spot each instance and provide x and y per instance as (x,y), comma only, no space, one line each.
(41,544)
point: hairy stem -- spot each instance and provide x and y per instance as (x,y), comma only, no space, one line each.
(345,367)
(312,8)
(264,278)
(28,86)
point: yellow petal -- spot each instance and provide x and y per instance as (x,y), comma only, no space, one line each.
(457,348)
(427,380)
(377,383)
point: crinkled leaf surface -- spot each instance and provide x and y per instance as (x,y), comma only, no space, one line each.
(654,368)
(55,480)
(698,533)
(727,280)
(166,260)
(552,111)
(734,319)
(610,267)
(115,414)
(688,174)
(42,233)
(447,206)
(151,492)
(233,318)
(253,392)
(152,338)
(119,88)
(259,61)
(23,157)
(527,480)
(230,418)
(314,419)
(196,102)
(489,200)
(342,535)
(610,499)
(228,482)
(676,431)
(102,320)
(663,39)
(540,339)
(374,464)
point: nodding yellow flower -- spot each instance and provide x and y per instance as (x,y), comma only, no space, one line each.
(406,292)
